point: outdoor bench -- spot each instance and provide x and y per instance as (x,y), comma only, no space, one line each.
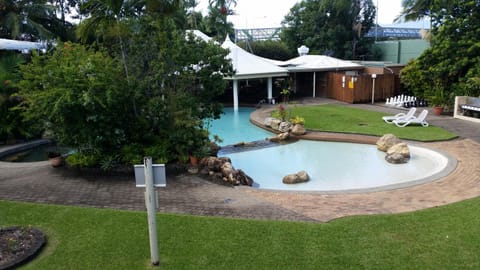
(467,108)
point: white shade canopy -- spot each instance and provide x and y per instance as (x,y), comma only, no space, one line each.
(19,45)
(309,63)
(250,66)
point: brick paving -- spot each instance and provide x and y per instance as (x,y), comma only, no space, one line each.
(189,194)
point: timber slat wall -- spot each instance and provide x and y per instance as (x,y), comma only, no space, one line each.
(362,87)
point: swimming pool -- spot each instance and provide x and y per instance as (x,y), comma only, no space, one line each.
(234,127)
(332,166)
(336,166)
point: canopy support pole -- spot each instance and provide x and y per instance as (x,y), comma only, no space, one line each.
(314,83)
(235,95)
(270,90)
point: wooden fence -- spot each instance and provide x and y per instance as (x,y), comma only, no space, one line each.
(358,89)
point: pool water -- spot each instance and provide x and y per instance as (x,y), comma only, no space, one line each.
(332,166)
(34,154)
(234,127)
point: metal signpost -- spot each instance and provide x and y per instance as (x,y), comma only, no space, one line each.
(151,176)
(374,76)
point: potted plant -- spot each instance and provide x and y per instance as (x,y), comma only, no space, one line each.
(438,99)
(55,159)
(285,93)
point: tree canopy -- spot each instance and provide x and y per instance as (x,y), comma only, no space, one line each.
(143,87)
(450,66)
(331,27)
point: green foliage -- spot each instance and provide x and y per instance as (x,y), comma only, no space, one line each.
(297,120)
(83,159)
(450,66)
(271,49)
(33,20)
(12,126)
(80,95)
(331,27)
(216,24)
(85,98)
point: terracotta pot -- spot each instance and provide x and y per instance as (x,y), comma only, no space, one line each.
(193,160)
(56,161)
(437,110)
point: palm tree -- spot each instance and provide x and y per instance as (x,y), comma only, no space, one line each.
(414,10)
(30,20)
(218,12)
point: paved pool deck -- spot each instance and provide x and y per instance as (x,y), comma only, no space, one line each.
(189,194)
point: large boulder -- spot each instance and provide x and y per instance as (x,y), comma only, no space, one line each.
(387,141)
(275,123)
(222,170)
(268,121)
(285,126)
(398,154)
(298,129)
(280,137)
(296,178)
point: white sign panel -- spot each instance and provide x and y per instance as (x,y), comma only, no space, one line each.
(159,178)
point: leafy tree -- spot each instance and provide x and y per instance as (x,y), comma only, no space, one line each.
(270,49)
(182,77)
(31,20)
(79,95)
(83,97)
(450,66)
(12,125)
(215,24)
(330,27)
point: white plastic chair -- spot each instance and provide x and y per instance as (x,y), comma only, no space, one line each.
(421,119)
(402,116)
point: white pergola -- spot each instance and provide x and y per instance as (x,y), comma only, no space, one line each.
(249,66)
(317,63)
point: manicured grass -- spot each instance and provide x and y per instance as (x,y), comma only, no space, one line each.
(336,118)
(85,238)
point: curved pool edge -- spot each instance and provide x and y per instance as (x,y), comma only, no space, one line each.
(11,149)
(451,166)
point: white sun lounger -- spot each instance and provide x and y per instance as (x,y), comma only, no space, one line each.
(389,119)
(421,119)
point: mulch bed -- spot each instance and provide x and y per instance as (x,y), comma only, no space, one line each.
(19,245)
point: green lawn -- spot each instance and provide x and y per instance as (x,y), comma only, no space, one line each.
(336,118)
(86,238)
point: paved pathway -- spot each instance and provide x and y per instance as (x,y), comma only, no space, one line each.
(189,194)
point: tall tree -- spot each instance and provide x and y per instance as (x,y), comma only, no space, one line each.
(450,66)
(31,20)
(434,10)
(332,27)
(216,23)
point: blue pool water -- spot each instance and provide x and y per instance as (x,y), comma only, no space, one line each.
(234,127)
(332,166)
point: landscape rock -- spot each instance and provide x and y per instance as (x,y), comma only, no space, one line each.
(280,137)
(387,141)
(398,154)
(298,129)
(268,121)
(275,123)
(296,178)
(285,126)
(222,170)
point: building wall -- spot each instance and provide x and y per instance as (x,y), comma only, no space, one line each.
(401,51)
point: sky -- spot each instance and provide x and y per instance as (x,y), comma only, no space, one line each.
(270,13)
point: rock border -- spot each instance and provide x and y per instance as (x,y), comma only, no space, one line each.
(38,242)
